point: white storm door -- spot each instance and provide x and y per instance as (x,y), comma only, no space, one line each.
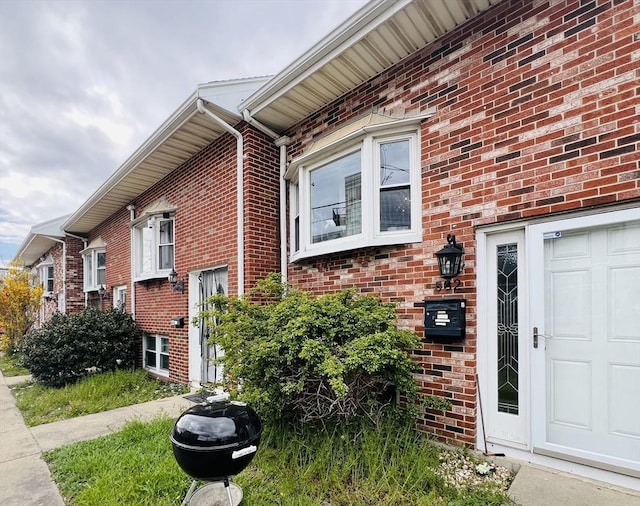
(585,278)
(505,387)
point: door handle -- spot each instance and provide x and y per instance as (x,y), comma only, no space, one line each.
(537,335)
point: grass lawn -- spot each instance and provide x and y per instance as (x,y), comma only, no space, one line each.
(101,392)
(391,465)
(10,365)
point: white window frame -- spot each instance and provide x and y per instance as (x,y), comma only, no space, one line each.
(120,297)
(43,273)
(151,221)
(90,269)
(158,353)
(368,143)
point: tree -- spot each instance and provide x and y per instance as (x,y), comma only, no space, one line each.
(20,299)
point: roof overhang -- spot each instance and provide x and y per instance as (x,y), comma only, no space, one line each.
(178,139)
(40,239)
(376,37)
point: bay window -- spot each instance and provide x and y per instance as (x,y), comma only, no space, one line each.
(95,269)
(153,246)
(363,193)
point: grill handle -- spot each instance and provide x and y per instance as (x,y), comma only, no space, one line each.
(245,451)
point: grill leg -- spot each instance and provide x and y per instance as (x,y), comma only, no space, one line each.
(192,489)
(228,491)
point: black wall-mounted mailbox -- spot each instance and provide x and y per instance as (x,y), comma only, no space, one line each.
(444,319)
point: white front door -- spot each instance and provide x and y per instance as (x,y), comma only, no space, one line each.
(202,355)
(585,305)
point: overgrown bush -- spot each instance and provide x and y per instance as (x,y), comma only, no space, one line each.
(70,345)
(311,359)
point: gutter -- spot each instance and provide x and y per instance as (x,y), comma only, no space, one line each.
(239,188)
(281,141)
(132,297)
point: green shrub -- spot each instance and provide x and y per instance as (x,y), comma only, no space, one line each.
(311,359)
(70,345)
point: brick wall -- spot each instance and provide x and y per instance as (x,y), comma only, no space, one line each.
(203,191)
(537,112)
(74,272)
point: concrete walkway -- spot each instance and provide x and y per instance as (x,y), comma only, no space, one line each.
(25,479)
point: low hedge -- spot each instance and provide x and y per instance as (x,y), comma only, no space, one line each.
(69,346)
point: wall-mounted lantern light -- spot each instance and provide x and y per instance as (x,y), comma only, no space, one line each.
(49,296)
(101,292)
(177,285)
(450,263)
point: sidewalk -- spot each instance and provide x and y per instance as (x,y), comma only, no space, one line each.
(25,479)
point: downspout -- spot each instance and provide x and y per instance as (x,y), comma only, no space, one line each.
(85,241)
(239,188)
(64,269)
(132,216)
(280,141)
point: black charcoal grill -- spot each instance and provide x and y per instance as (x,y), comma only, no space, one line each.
(215,440)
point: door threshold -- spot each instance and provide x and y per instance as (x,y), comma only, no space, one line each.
(567,466)
(588,462)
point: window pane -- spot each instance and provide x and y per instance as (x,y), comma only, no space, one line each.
(336,208)
(164,345)
(151,342)
(166,232)
(150,358)
(88,269)
(166,257)
(146,245)
(395,209)
(102,277)
(507,332)
(102,259)
(50,279)
(164,362)
(394,163)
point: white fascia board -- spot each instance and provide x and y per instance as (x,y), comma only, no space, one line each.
(182,115)
(344,36)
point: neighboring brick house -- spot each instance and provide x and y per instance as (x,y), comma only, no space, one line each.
(54,258)
(172,209)
(513,125)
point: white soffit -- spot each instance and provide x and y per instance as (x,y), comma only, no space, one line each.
(375,38)
(178,139)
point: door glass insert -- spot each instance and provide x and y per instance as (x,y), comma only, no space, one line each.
(507,331)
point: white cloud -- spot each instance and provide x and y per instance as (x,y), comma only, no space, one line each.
(84,82)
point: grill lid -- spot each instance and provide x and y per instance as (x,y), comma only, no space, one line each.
(218,424)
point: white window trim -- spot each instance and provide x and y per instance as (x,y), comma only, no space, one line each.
(93,253)
(155,370)
(366,140)
(137,226)
(118,300)
(43,270)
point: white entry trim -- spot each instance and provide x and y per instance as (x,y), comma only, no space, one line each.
(580,219)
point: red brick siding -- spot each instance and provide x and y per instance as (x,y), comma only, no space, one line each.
(75,274)
(537,113)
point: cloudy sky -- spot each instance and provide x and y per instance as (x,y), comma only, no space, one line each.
(83,83)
